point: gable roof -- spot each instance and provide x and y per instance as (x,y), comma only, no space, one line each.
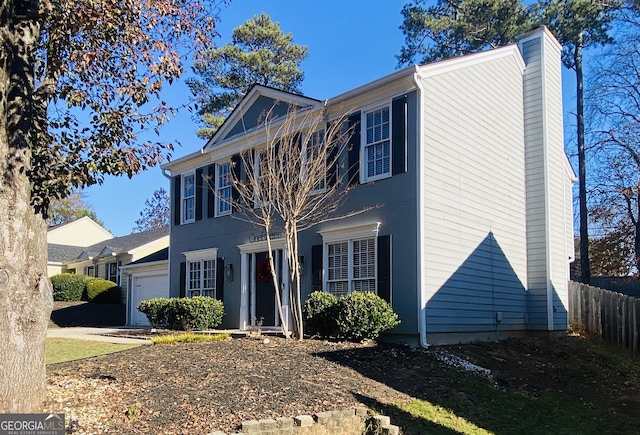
(126,244)
(114,246)
(253,107)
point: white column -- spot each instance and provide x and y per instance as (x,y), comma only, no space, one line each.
(244,291)
(252,293)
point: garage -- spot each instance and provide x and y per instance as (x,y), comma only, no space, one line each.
(145,288)
(148,278)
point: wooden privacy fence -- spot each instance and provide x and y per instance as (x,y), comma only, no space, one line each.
(613,316)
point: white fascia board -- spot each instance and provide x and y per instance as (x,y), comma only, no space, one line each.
(254,138)
(246,102)
(446,66)
(146,245)
(138,269)
(376,84)
(187,163)
(262,246)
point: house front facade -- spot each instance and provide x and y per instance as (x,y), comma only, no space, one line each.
(460,167)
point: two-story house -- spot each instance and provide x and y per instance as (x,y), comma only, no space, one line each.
(473,236)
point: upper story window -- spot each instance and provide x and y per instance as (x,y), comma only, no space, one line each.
(223,189)
(188,198)
(315,145)
(376,158)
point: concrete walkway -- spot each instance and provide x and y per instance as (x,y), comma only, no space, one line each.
(96,334)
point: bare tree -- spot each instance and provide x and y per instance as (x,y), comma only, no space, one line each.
(293,179)
(614,100)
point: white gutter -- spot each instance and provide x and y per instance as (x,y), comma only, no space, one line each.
(422,310)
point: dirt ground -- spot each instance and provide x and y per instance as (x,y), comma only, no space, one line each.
(200,388)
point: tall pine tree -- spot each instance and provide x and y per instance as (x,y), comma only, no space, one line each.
(260,53)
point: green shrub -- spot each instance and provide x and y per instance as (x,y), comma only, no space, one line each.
(67,287)
(199,313)
(318,315)
(103,291)
(364,315)
(356,316)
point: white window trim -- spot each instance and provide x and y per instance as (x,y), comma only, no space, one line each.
(349,235)
(218,197)
(200,256)
(363,144)
(183,198)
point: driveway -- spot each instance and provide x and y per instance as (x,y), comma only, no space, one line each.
(109,335)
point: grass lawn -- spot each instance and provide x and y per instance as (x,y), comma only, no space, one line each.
(69,349)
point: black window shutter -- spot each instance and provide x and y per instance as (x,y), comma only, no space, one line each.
(183,279)
(211,194)
(354,149)
(384,267)
(246,179)
(199,193)
(177,199)
(236,165)
(220,279)
(316,268)
(399,135)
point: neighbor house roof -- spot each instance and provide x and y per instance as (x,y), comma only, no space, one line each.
(59,253)
(128,243)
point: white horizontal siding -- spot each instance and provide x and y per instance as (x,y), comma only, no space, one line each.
(474,198)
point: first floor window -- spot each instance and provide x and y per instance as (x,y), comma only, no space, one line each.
(201,278)
(90,271)
(112,272)
(351,266)
(223,189)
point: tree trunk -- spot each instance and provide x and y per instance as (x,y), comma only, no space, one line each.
(25,294)
(582,170)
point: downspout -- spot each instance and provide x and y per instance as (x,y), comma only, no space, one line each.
(422,299)
(166,173)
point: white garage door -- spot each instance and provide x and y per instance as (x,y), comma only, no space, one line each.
(148,287)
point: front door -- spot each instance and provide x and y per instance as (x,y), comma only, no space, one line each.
(265,296)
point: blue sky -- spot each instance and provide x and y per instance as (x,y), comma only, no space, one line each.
(350,43)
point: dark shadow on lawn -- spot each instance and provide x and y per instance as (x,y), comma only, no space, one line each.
(410,425)
(89,314)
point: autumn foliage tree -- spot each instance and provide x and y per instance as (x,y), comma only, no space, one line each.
(79,79)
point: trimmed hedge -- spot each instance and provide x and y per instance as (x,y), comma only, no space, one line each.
(103,291)
(197,313)
(68,287)
(356,316)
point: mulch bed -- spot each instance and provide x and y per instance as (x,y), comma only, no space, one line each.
(203,387)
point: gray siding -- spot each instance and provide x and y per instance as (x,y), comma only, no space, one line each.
(548,185)
(474,199)
(391,201)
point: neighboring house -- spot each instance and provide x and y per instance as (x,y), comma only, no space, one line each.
(67,240)
(473,236)
(105,258)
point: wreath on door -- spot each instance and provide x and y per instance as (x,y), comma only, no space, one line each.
(264,271)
